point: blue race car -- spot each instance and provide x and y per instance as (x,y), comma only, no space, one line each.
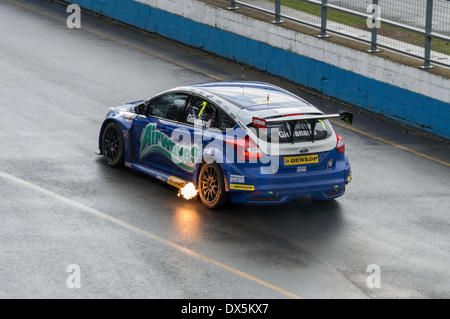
(248,142)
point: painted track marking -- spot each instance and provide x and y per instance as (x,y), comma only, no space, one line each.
(133,228)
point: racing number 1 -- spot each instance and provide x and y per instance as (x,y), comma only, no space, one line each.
(203,107)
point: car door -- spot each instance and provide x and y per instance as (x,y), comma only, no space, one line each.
(152,131)
(198,123)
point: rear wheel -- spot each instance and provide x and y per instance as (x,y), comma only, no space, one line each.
(113,145)
(212,186)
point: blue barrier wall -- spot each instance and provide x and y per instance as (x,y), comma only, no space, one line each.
(401,105)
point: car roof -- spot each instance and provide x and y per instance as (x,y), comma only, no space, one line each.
(253,96)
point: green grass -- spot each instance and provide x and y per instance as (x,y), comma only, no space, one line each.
(351,20)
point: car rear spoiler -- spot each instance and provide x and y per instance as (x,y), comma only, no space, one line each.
(311,118)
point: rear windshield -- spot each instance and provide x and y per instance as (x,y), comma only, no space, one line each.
(302,131)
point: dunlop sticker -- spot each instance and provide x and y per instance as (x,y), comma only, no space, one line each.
(298,160)
(242,187)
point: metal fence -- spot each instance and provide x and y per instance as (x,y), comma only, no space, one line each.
(418,28)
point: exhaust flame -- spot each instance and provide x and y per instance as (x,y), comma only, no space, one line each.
(188,191)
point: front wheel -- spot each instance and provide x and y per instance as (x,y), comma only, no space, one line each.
(212,186)
(113,145)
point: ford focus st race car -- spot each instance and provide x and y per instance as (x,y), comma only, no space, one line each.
(248,142)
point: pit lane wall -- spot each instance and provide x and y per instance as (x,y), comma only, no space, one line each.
(406,94)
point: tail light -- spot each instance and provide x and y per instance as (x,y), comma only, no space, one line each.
(246,149)
(340,146)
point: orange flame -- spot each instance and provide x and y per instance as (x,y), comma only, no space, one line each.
(188,191)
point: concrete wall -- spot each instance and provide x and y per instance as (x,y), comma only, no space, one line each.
(406,94)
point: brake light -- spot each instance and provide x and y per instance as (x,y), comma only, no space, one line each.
(340,146)
(294,114)
(246,149)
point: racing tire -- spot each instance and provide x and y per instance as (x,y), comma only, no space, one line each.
(113,145)
(211,186)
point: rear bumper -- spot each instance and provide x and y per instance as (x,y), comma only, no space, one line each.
(281,188)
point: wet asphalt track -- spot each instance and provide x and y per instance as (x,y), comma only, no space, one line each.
(132,237)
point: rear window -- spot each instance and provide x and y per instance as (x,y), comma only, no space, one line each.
(226,122)
(302,131)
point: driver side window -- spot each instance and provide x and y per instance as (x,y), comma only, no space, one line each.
(168,106)
(202,113)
